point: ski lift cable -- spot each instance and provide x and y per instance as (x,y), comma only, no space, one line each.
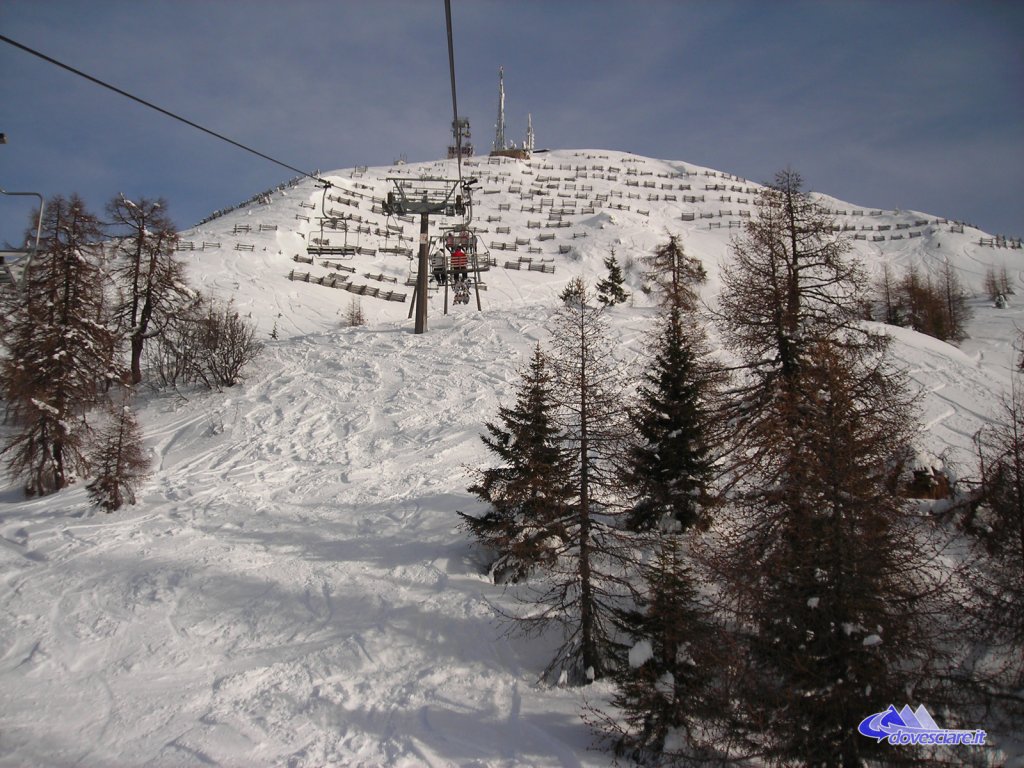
(451,71)
(161,110)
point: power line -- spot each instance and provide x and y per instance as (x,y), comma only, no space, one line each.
(161,110)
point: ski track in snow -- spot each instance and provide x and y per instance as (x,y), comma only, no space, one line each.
(297,592)
(292,587)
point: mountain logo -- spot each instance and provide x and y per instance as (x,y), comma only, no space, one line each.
(915,727)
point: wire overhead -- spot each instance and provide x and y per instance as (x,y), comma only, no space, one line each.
(451,70)
(170,114)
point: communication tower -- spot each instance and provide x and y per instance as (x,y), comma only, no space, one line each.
(499,133)
(502,147)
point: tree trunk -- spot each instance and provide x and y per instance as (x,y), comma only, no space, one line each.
(590,655)
(136,363)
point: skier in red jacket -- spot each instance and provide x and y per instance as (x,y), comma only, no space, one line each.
(460,265)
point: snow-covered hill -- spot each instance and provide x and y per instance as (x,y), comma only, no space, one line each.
(566,208)
(292,588)
(564,212)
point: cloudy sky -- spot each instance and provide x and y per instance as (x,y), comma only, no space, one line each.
(913,104)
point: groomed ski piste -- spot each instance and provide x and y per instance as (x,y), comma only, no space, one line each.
(292,587)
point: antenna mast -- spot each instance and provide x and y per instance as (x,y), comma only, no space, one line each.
(499,135)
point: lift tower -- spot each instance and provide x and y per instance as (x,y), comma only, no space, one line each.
(461,146)
(424,196)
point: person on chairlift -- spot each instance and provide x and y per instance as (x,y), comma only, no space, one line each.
(460,265)
(440,272)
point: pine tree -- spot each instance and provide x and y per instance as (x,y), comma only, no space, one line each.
(789,282)
(150,278)
(676,275)
(354,316)
(120,460)
(609,290)
(670,693)
(667,695)
(574,291)
(789,274)
(527,492)
(60,352)
(670,466)
(824,565)
(586,583)
(815,557)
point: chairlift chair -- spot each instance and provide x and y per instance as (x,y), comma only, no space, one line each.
(465,238)
(350,250)
(326,250)
(425,195)
(9,258)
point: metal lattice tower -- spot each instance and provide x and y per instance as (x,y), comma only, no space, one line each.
(499,134)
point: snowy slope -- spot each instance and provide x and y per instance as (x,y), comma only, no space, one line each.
(292,588)
(568,208)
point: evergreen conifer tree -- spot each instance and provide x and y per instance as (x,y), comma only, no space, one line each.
(527,492)
(667,696)
(609,290)
(560,448)
(574,291)
(670,465)
(670,693)
(354,315)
